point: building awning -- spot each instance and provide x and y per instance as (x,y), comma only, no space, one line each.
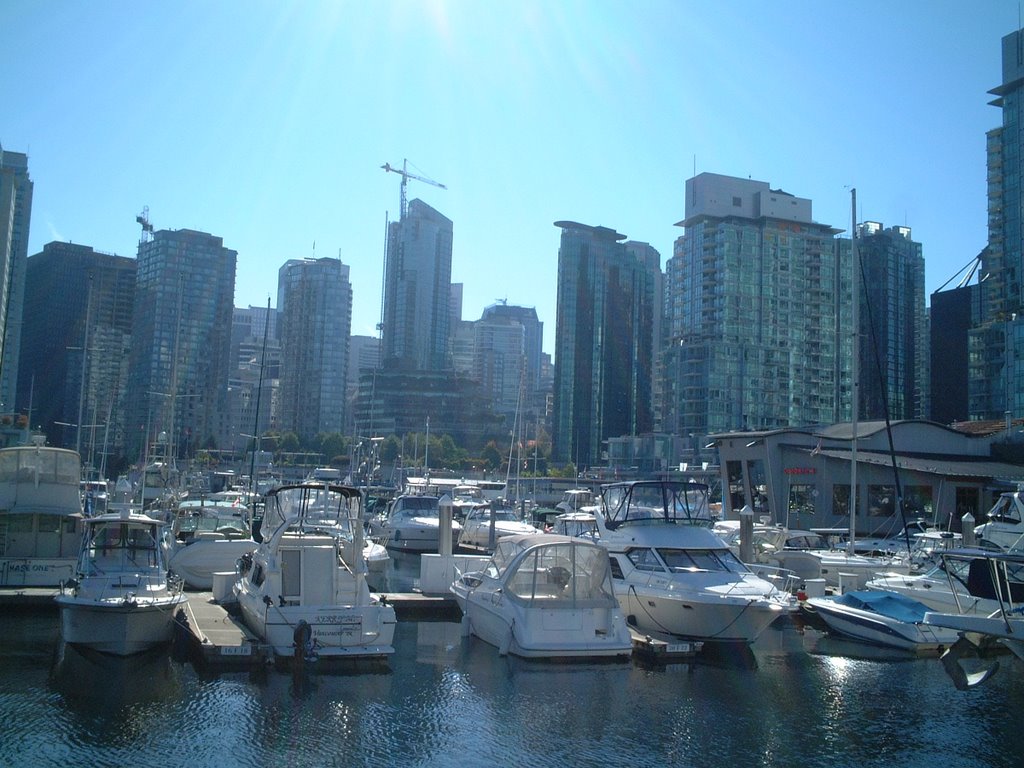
(996,470)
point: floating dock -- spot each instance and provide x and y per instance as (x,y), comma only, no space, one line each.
(211,632)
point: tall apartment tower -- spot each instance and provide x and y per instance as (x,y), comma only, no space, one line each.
(758,304)
(417,289)
(314,297)
(893,337)
(15,218)
(603,343)
(254,378)
(181,342)
(996,343)
(506,360)
(73,367)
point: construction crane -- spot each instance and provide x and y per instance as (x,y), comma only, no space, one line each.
(147,228)
(405,179)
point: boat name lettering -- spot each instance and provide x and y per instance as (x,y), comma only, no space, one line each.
(338,620)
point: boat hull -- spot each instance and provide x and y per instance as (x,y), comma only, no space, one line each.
(118,626)
(336,631)
(872,628)
(547,633)
(697,616)
(197,562)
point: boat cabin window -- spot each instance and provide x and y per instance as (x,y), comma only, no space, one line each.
(701,560)
(1005,510)
(644,560)
(616,568)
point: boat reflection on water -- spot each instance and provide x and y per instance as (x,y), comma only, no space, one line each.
(90,681)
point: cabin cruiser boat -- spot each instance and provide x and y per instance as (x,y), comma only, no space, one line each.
(545,596)
(582,524)
(882,618)
(412,523)
(303,591)
(1004,526)
(672,574)
(41,516)
(122,600)
(466,499)
(485,525)
(575,499)
(207,537)
(996,576)
(943,587)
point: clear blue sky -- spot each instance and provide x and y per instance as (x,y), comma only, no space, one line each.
(266,123)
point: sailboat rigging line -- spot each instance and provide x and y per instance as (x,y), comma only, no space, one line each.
(885,402)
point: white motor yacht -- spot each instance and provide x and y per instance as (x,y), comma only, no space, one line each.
(40,515)
(303,591)
(672,574)
(207,537)
(545,596)
(483,527)
(412,523)
(121,600)
(1004,522)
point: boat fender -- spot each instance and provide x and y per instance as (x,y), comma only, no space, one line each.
(302,640)
(244,564)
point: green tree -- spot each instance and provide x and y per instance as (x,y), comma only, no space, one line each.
(491,456)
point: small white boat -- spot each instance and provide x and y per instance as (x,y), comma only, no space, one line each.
(996,576)
(207,537)
(303,591)
(575,499)
(1004,522)
(121,600)
(483,527)
(882,618)
(582,524)
(545,596)
(672,574)
(412,523)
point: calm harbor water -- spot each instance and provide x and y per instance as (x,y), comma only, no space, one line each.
(798,698)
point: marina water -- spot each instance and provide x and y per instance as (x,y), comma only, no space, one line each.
(797,698)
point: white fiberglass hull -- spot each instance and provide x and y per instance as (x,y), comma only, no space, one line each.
(698,614)
(118,626)
(478,537)
(873,628)
(419,535)
(935,593)
(197,562)
(546,633)
(336,631)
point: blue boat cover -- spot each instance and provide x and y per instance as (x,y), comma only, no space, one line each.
(891,604)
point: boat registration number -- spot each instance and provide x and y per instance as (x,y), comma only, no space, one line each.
(679,648)
(236,650)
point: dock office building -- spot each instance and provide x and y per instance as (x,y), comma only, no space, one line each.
(800,477)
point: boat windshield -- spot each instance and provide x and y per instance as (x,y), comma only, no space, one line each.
(118,545)
(417,506)
(564,575)
(656,503)
(487,513)
(308,505)
(680,560)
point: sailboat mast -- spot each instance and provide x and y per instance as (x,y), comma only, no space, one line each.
(854,370)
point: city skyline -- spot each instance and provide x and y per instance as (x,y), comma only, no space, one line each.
(267,125)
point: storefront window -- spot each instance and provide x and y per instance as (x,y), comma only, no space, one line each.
(758,488)
(841,500)
(881,500)
(737,498)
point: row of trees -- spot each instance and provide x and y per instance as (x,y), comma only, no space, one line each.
(410,450)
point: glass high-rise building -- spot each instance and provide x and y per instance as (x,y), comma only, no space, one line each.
(758,312)
(77,299)
(893,338)
(181,342)
(603,343)
(314,298)
(996,342)
(15,217)
(417,291)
